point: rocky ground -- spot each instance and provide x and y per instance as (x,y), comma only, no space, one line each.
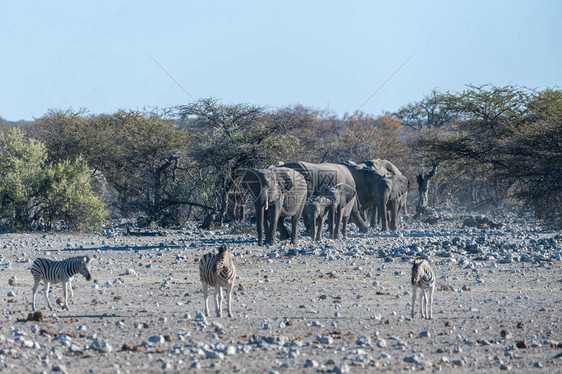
(336,306)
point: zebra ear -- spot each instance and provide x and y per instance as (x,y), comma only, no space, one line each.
(86,259)
(223,248)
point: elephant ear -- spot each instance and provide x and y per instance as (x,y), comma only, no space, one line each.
(285,181)
(347,193)
(401,185)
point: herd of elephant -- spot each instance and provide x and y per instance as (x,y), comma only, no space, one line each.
(372,190)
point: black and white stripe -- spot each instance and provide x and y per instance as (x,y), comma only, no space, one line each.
(218,271)
(50,271)
(423,276)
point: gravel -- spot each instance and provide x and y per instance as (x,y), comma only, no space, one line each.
(332,306)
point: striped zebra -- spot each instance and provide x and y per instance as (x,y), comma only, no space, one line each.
(423,276)
(218,271)
(50,271)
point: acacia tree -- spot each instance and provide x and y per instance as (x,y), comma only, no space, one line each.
(226,139)
(426,118)
(508,137)
(533,157)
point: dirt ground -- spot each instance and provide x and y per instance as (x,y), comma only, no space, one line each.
(335,306)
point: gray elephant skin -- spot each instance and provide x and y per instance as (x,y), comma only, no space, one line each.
(343,198)
(327,174)
(315,212)
(277,192)
(382,191)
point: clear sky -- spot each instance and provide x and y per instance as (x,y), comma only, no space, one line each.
(323,54)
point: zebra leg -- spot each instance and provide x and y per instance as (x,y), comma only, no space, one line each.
(71,294)
(424,303)
(65,286)
(35,287)
(413,299)
(218,300)
(229,298)
(47,295)
(430,291)
(206,296)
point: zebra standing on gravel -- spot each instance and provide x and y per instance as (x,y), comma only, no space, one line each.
(218,271)
(54,272)
(423,276)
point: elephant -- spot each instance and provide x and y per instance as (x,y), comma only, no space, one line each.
(327,174)
(395,200)
(381,190)
(343,198)
(398,183)
(277,192)
(383,167)
(315,211)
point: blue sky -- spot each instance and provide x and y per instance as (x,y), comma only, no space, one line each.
(323,54)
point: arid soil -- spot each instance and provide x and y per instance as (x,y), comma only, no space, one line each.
(335,306)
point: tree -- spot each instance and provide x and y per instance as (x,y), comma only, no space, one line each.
(137,154)
(66,195)
(226,139)
(507,139)
(22,161)
(36,194)
(326,137)
(429,113)
(425,118)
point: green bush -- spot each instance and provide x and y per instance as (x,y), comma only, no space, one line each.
(36,195)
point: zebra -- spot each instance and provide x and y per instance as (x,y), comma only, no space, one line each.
(423,276)
(50,271)
(218,271)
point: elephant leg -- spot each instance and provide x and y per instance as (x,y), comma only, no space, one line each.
(344,227)
(373,214)
(394,216)
(260,225)
(307,225)
(283,233)
(382,212)
(294,224)
(312,231)
(332,223)
(273,217)
(358,219)
(320,228)
(338,224)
